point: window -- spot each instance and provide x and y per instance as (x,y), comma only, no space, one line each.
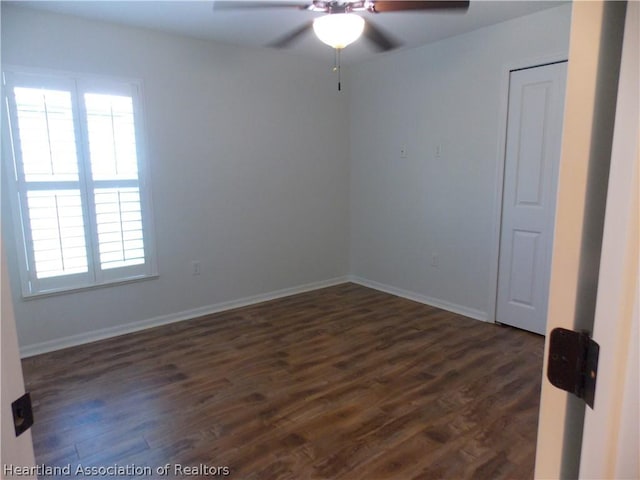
(79,195)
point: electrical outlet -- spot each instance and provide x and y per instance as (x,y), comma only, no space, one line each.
(195,268)
(434,259)
(438,150)
(403,151)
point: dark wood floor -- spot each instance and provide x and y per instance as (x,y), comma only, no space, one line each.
(340,383)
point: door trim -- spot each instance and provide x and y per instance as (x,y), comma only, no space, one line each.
(501,150)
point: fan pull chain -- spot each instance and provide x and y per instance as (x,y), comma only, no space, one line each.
(336,66)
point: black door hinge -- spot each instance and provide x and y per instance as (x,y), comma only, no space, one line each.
(573,363)
(22,414)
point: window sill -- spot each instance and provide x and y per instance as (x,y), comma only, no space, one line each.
(64,291)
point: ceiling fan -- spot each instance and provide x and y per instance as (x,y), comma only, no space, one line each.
(341,26)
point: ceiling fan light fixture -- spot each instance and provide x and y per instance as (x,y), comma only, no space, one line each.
(338,29)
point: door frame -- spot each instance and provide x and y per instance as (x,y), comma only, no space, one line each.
(501,148)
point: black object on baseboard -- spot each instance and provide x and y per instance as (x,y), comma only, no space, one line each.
(22,414)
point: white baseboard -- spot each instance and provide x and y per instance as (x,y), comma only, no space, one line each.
(417,297)
(95,335)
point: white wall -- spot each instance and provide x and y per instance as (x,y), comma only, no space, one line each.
(405,210)
(248,153)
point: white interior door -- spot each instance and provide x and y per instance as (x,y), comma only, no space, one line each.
(611,439)
(534,130)
(585,265)
(17,451)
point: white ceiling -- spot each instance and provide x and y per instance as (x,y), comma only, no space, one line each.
(259,27)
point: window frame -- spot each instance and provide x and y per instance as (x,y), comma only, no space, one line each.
(77,85)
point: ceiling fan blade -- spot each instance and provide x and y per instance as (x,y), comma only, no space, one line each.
(292,36)
(380,39)
(242,5)
(400,6)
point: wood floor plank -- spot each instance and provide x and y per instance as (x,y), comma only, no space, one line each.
(340,383)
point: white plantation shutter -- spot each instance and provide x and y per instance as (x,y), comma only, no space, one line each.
(82,212)
(47,137)
(112,139)
(114,164)
(57,232)
(120,234)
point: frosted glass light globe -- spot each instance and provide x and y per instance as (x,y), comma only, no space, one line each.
(338,29)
